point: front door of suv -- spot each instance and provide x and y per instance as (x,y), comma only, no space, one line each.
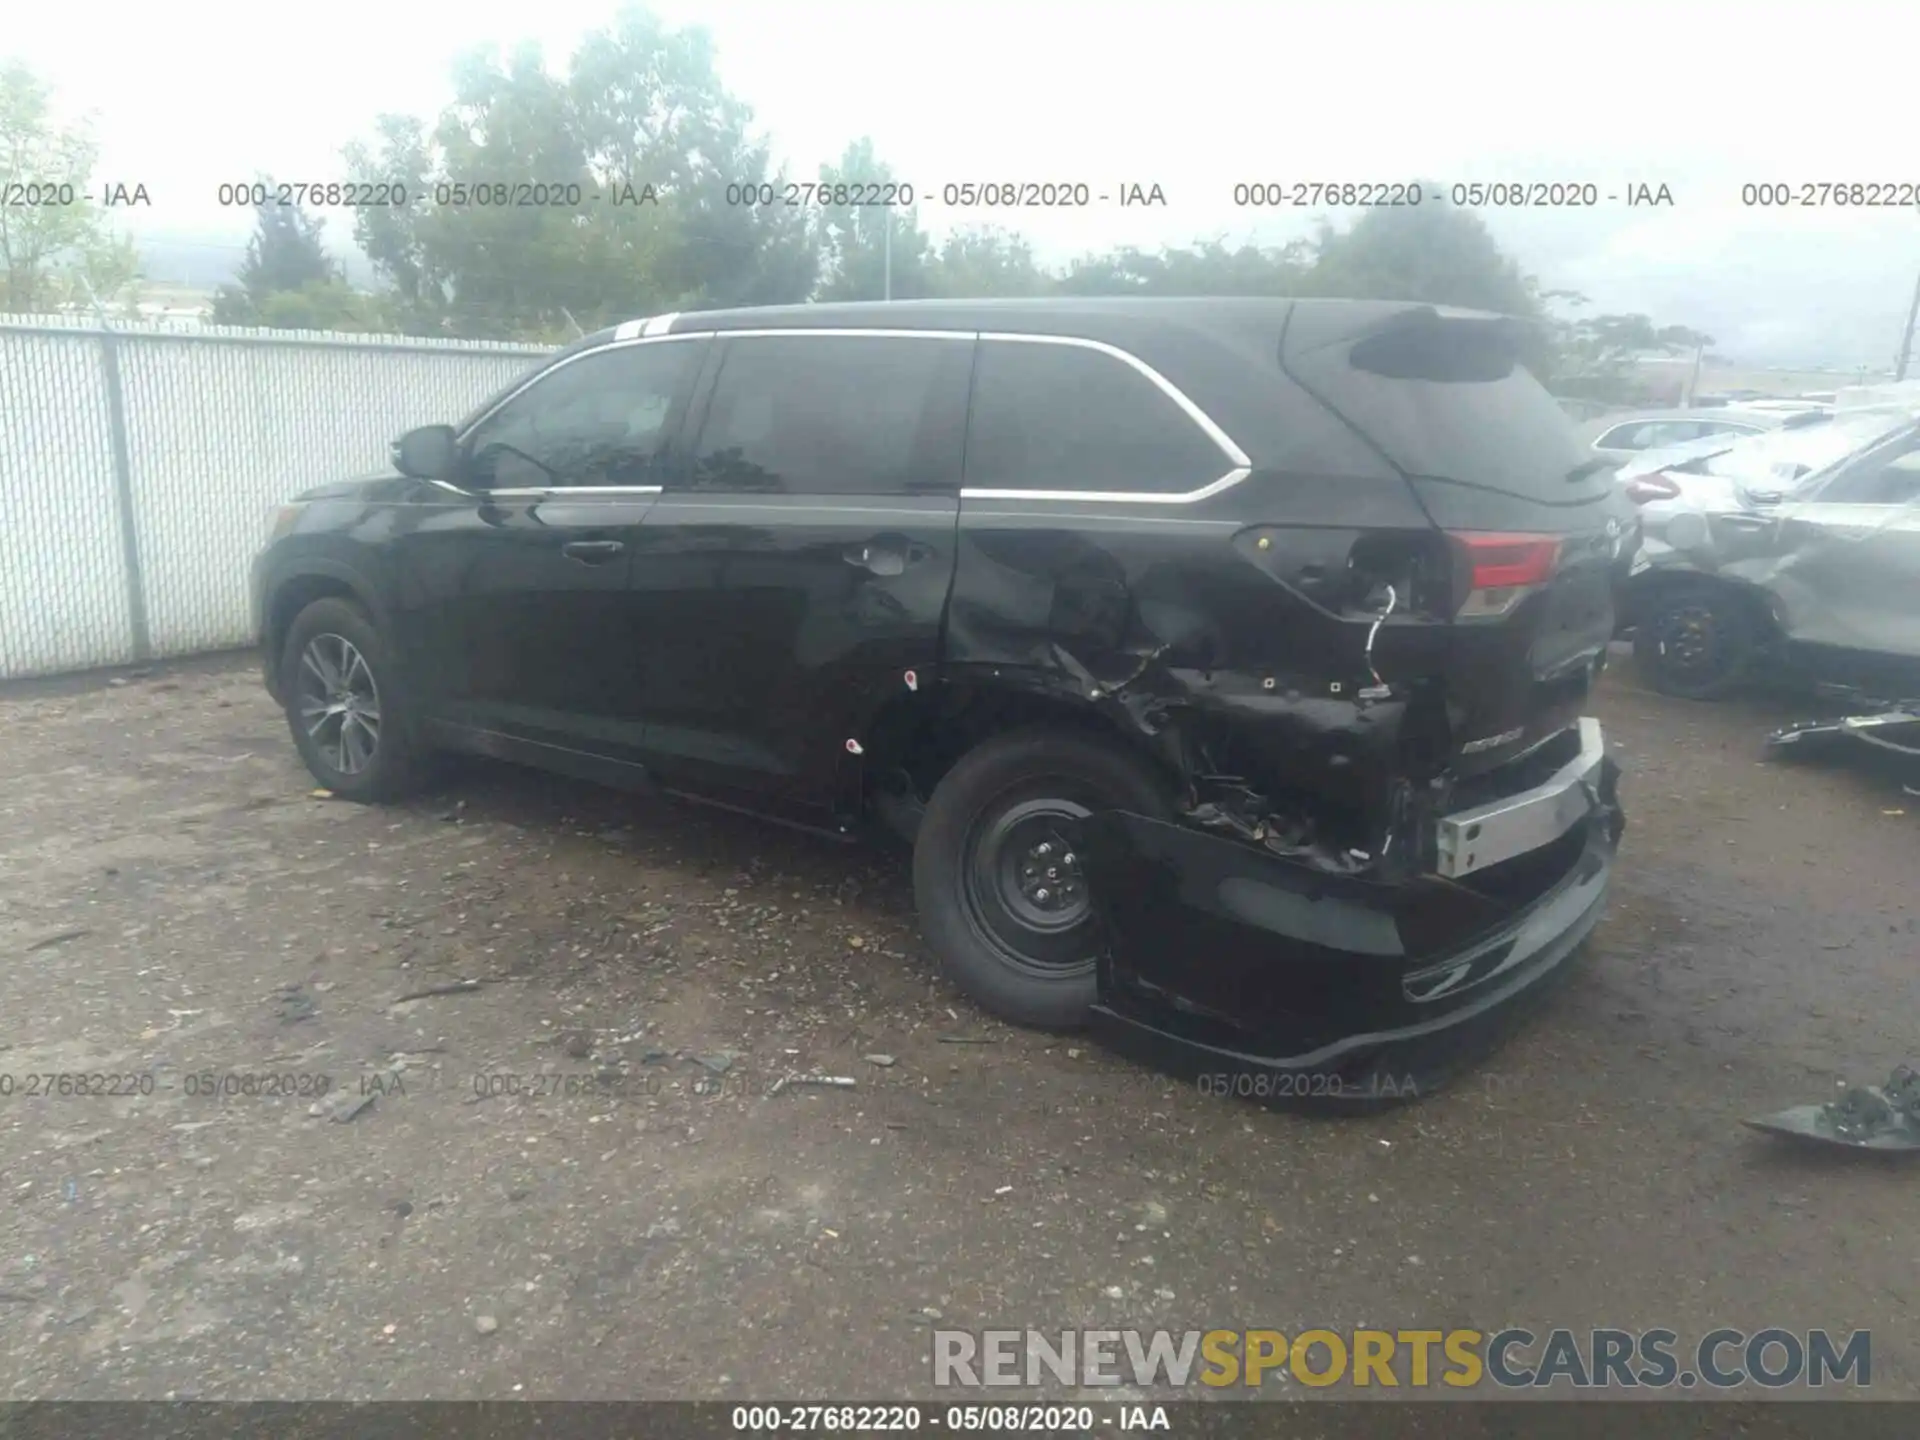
(797,571)
(517,607)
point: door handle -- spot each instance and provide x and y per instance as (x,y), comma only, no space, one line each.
(592,552)
(878,556)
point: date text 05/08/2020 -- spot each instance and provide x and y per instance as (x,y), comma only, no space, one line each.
(954,194)
(1473,195)
(1305,1085)
(576,195)
(1037,1419)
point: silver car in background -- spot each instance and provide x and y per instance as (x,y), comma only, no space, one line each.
(1799,548)
(1788,453)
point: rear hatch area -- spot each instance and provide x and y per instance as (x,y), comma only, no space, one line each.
(1327,926)
(1536,536)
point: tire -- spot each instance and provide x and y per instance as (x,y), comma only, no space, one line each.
(381,759)
(1696,642)
(1021,947)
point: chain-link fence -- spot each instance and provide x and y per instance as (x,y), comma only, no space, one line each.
(139,463)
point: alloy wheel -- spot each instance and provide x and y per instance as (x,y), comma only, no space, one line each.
(339,703)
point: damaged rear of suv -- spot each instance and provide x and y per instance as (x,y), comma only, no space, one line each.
(1355,625)
(1225,661)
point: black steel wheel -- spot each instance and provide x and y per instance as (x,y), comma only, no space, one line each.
(1696,642)
(1002,897)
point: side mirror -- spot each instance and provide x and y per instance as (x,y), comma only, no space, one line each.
(426,453)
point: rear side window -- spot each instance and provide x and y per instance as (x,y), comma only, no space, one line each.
(1447,398)
(1048,416)
(835,415)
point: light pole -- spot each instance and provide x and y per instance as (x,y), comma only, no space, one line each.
(886,231)
(1906,335)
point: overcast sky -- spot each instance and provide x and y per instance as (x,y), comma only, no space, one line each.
(1190,95)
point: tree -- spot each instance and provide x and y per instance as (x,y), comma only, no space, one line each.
(1436,252)
(61,252)
(985,262)
(288,281)
(868,252)
(1208,267)
(653,111)
(1594,357)
(625,188)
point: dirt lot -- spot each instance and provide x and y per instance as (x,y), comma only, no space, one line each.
(176,904)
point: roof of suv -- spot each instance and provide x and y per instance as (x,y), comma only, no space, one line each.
(1321,318)
(1295,384)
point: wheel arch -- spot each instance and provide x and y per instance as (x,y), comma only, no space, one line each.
(916,737)
(312,578)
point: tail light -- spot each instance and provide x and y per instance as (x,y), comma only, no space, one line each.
(1657,486)
(1495,571)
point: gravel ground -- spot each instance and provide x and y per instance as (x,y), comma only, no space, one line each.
(569,1178)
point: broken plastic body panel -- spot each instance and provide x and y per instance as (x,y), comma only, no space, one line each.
(1867,1117)
(1895,730)
(1224,959)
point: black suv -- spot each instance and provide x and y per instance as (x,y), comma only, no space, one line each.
(1223,660)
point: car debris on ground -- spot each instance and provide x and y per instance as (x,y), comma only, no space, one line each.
(1867,1117)
(1889,728)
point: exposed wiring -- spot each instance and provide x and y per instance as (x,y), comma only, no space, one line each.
(1379,620)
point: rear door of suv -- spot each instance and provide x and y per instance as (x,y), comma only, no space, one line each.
(795,576)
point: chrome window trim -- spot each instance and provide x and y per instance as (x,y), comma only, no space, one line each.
(816,333)
(519,492)
(617,343)
(651,332)
(1241,463)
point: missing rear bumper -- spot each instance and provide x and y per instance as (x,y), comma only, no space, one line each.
(1264,978)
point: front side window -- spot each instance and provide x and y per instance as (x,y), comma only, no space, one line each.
(835,415)
(1065,417)
(594,422)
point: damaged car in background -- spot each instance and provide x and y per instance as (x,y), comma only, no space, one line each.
(1796,553)
(1225,662)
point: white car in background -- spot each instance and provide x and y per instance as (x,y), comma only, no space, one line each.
(1704,467)
(1622,439)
